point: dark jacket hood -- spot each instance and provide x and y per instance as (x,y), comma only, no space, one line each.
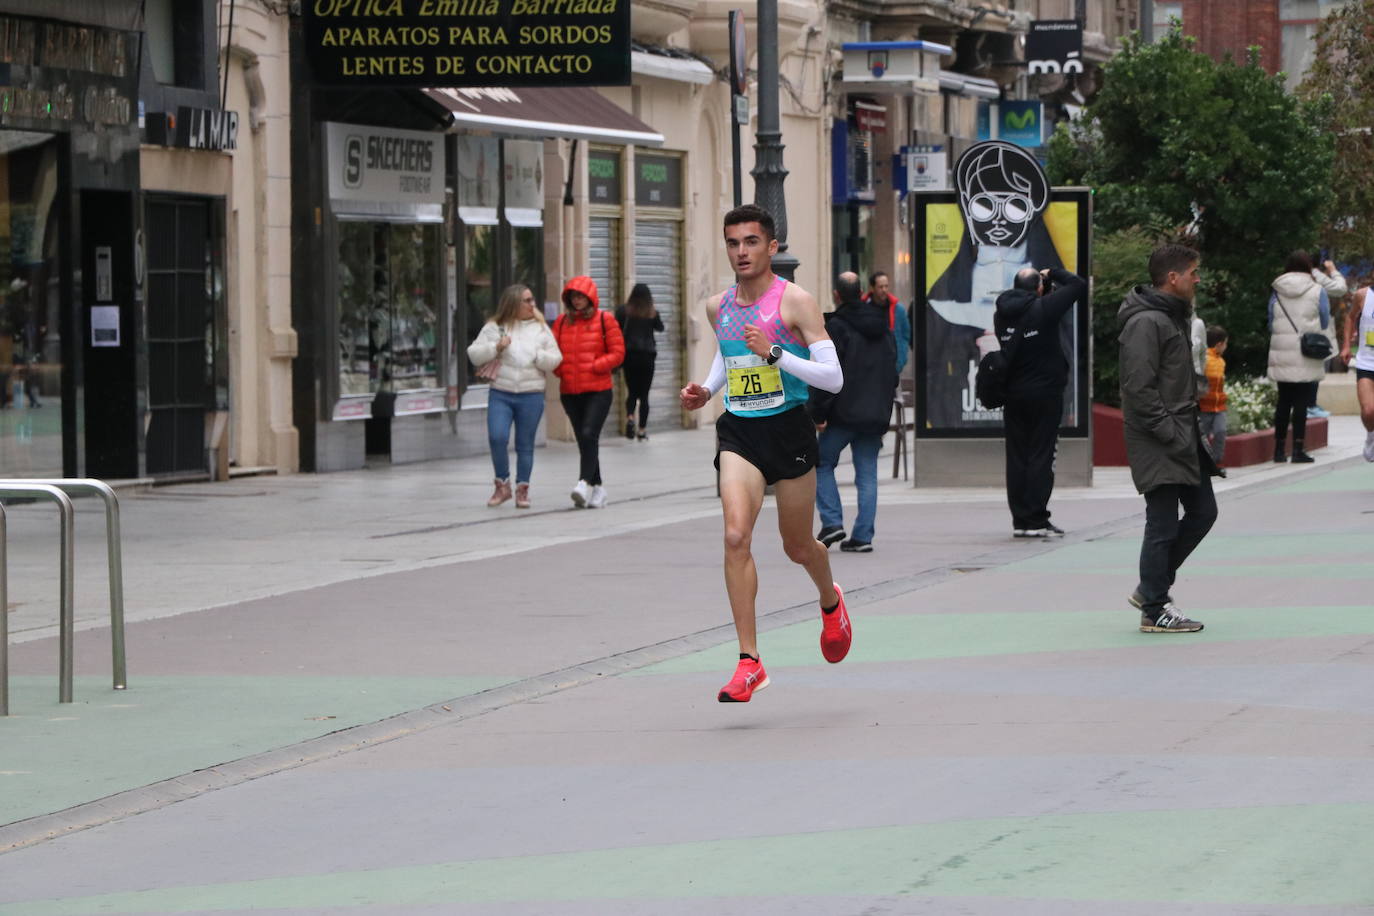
(1013,303)
(866,318)
(1148,298)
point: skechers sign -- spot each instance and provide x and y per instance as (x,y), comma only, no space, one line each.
(373,164)
(468,42)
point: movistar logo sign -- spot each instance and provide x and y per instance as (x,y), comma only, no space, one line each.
(1020,120)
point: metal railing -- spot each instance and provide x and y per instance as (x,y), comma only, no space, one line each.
(57,490)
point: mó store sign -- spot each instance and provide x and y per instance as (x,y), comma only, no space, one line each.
(468,42)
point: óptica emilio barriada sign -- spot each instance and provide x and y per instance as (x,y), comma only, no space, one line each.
(468,42)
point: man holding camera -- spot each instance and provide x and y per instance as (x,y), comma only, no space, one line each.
(1033,330)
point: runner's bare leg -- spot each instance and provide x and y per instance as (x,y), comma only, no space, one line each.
(796,499)
(741,498)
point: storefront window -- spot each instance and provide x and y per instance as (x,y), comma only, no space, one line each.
(388,322)
(527,258)
(30,340)
(478,296)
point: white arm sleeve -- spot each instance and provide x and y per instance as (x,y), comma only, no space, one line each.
(821,371)
(715,379)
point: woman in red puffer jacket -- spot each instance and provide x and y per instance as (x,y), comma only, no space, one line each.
(592,346)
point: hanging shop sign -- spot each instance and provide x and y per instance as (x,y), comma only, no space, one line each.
(1054,46)
(1012,121)
(524,182)
(468,42)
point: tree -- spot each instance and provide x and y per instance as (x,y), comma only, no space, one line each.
(1216,153)
(1342,77)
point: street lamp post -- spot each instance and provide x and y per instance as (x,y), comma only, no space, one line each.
(768,171)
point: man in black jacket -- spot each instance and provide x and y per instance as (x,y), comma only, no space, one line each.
(1033,329)
(858,415)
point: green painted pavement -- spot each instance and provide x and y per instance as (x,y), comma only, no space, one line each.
(1235,856)
(1229,554)
(913,637)
(1357,477)
(167,726)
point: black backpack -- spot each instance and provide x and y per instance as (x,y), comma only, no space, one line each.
(990,382)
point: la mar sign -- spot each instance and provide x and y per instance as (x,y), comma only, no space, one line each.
(468,42)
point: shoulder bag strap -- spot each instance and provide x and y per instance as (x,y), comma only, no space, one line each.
(1279,303)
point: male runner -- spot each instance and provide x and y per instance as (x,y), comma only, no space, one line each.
(772,346)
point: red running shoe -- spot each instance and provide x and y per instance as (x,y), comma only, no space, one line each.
(836,632)
(749,676)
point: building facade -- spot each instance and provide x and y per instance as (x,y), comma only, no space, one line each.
(1283,30)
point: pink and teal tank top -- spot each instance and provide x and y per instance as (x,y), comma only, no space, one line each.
(752,387)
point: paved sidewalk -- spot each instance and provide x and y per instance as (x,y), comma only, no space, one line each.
(499,713)
(195,546)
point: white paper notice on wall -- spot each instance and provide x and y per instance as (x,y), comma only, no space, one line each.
(104,325)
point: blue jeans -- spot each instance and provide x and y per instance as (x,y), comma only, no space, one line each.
(524,410)
(863,448)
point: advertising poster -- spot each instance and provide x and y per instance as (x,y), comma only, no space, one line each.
(958,278)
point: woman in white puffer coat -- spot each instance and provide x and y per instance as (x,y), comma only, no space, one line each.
(519,337)
(1300,304)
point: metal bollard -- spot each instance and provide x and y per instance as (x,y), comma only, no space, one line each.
(113,551)
(66,614)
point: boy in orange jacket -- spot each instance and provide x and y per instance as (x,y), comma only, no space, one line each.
(1212,403)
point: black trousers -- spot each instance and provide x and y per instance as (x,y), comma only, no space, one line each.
(1031,426)
(639,375)
(587,413)
(1168,540)
(1294,399)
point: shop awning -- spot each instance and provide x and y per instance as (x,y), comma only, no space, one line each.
(976,86)
(575,112)
(680,69)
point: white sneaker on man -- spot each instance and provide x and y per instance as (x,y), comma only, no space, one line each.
(1369,446)
(581,493)
(598,498)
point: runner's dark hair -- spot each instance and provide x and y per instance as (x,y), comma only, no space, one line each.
(752,213)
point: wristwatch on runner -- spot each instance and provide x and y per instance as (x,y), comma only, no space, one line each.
(774,354)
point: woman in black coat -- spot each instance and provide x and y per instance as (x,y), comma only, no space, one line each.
(639,320)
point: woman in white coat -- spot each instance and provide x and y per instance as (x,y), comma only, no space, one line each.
(518,337)
(1300,304)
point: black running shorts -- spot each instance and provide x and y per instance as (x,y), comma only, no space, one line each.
(781,445)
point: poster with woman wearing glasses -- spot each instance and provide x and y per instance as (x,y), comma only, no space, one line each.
(1005,217)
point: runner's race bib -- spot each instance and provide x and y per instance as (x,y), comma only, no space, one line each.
(752,384)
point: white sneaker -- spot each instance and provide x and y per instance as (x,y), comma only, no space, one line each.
(1369,446)
(598,498)
(580,494)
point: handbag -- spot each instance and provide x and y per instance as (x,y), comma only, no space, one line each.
(990,381)
(1312,344)
(487,371)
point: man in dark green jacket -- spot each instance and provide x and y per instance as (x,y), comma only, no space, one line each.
(1169,464)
